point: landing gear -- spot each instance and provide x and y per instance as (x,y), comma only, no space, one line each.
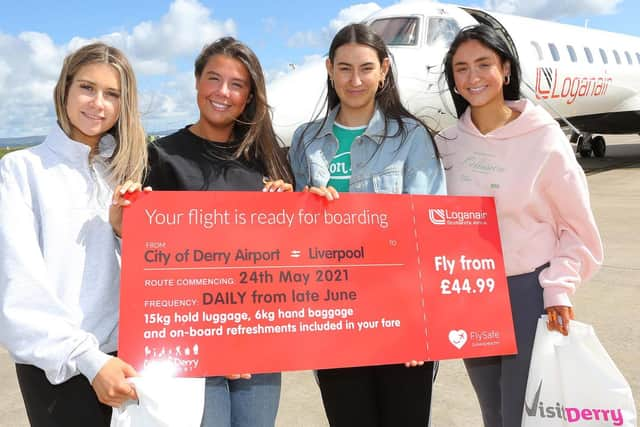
(587,144)
(583,147)
(599,146)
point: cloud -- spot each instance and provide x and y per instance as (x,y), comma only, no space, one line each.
(186,28)
(553,9)
(355,13)
(172,105)
(321,38)
(30,63)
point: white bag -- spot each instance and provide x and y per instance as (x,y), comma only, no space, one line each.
(573,382)
(162,402)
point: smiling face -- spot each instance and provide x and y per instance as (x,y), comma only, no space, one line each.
(356,73)
(479,74)
(93,102)
(223,92)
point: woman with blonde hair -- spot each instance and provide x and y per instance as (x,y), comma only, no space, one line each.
(59,257)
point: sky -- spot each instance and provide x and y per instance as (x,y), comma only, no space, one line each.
(163,37)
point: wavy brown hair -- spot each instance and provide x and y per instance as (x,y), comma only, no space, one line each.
(254,129)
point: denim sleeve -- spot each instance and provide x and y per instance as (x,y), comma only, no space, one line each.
(423,173)
(298,160)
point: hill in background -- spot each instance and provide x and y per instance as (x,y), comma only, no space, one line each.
(24,141)
(27,141)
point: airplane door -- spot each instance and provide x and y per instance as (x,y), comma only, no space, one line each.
(418,45)
(440,33)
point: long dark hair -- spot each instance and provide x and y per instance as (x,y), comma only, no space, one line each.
(491,39)
(254,130)
(387,97)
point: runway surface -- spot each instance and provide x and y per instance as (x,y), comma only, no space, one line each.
(609,302)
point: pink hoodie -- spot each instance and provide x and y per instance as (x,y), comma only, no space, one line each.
(541,195)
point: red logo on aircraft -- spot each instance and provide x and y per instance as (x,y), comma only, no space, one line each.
(548,85)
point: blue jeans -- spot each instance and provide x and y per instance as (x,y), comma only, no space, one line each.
(241,403)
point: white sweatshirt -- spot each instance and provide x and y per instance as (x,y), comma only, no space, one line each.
(541,196)
(59,259)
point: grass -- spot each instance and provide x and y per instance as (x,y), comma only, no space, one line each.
(5,150)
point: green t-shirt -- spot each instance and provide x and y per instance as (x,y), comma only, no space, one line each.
(340,166)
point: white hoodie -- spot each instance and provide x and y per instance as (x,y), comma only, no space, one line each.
(541,195)
(59,259)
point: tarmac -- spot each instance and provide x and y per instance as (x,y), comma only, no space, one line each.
(609,302)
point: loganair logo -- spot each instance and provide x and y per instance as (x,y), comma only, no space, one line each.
(572,415)
(436,216)
(550,86)
(445,216)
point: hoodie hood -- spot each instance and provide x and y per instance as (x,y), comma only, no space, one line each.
(531,118)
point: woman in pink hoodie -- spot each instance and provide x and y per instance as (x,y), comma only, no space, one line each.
(515,151)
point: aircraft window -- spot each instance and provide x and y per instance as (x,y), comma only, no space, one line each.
(441,32)
(536,46)
(615,53)
(603,54)
(572,53)
(397,31)
(587,52)
(554,52)
(629,60)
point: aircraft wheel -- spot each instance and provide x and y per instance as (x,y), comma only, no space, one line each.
(581,149)
(599,146)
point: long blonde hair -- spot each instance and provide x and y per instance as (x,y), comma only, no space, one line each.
(129,160)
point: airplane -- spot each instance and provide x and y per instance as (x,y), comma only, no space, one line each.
(586,78)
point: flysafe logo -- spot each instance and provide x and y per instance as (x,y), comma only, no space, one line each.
(539,409)
(458,338)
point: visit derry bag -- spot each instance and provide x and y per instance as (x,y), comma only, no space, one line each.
(573,382)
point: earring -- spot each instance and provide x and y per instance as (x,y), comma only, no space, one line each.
(455,89)
(332,83)
(507,79)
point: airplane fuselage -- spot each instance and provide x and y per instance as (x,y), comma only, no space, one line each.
(587,79)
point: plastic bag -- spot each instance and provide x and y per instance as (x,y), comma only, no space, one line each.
(162,402)
(573,382)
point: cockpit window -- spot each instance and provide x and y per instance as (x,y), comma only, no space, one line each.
(441,32)
(397,31)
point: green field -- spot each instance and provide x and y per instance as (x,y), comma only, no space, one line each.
(5,150)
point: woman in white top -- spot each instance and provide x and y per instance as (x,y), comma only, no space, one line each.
(59,258)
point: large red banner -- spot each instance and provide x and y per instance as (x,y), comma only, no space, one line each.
(221,282)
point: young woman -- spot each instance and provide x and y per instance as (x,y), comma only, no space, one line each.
(231,147)
(368,142)
(514,151)
(59,258)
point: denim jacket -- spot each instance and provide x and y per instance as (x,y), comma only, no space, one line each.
(401,164)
